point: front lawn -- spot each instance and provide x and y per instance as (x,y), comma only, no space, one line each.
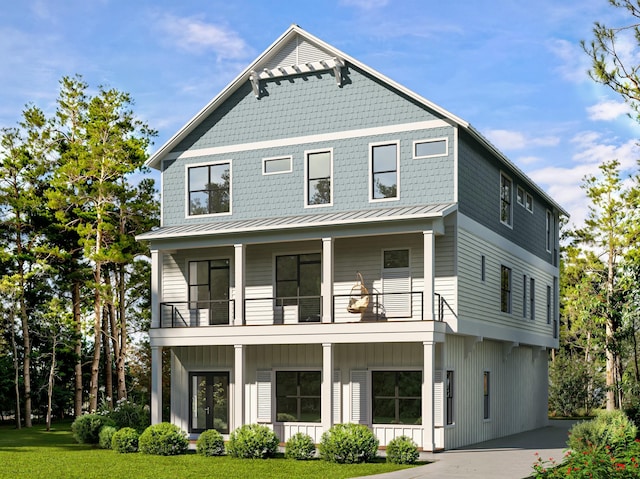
(35,453)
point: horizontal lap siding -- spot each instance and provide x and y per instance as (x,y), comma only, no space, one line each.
(480,301)
(518,384)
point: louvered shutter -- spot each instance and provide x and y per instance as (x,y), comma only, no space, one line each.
(263,380)
(337,406)
(438,398)
(360,397)
(396,280)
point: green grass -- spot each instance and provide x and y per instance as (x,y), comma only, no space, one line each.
(37,454)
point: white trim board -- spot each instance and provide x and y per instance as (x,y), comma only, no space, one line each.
(321,137)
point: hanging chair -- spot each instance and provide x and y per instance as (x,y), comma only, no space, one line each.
(359,297)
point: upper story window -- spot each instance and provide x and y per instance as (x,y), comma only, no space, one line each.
(505,289)
(319,173)
(430,148)
(549,230)
(385,180)
(209,189)
(528,203)
(520,195)
(506,195)
(273,166)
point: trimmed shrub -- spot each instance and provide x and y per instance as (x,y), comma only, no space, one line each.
(252,441)
(125,440)
(402,450)
(86,428)
(348,443)
(105,435)
(129,414)
(163,439)
(300,447)
(609,428)
(210,443)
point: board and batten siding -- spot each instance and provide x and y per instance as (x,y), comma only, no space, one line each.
(518,390)
(479,301)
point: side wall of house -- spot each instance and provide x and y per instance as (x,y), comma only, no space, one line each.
(517,390)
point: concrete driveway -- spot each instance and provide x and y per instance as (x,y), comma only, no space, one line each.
(509,457)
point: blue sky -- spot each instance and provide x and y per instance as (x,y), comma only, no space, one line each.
(515,70)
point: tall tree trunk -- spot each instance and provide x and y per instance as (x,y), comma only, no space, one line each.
(16,367)
(52,372)
(77,321)
(26,364)
(97,336)
(610,332)
(108,359)
(122,331)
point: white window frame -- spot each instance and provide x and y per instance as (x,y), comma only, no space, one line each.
(509,291)
(520,195)
(430,140)
(528,201)
(186,188)
(548,230)
(509,223)
(383,143)
(285,157)
(306,177)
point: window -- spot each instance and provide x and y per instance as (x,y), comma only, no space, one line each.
(529,203)
(483,269)
(209,291)
(298,279)
(505,289)
(549,230)
(430,148)
(506,213)
(520,195)
(273,166)
(319,171)
(486,395)
(384,171)
(524,296)
(298,396)
(532,298)
(397,397)
(548,304)
(210,189)
(449,397)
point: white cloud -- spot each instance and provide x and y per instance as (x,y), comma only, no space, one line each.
(575,63)
(608,110)
(508,140)
(528,160)
(194,35)
(593,149)
(365,4)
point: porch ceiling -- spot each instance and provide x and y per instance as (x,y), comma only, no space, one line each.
(374,215)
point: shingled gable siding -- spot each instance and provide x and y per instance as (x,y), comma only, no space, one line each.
(479,198)
(300,107)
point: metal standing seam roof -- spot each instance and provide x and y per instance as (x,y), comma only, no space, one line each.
(301,221)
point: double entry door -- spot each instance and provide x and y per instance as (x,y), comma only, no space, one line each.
(209,406)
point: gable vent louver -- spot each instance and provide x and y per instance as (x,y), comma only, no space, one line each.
(296,57)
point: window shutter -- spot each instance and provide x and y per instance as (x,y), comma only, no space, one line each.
(438,398)
(360,397)
(263,380)
(336,397)
(396,280)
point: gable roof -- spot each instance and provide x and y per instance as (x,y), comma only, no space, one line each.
(296,49)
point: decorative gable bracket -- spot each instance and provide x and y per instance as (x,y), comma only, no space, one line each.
(335,64)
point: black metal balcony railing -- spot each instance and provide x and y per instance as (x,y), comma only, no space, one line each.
(295,309)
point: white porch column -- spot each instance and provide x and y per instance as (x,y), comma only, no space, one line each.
(156,384)
(428,423)
(326,289)
(239,265)
(156,287)
(238,385)
(429,283)
(327,386)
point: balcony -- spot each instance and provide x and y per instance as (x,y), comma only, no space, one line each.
(397,306)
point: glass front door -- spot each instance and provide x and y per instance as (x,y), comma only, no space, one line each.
(209,402)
